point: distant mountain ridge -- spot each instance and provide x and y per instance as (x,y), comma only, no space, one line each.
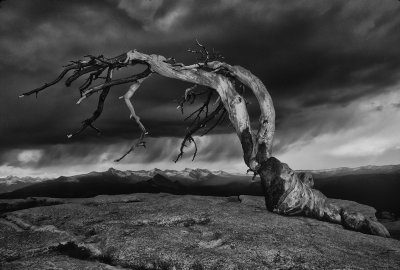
(9,180)
(10,183)
(193,174)
(377,186)
(113,181)
(196,174)
(369,169)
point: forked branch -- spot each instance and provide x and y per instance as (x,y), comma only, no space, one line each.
(100,105)
(127,97)
(199,124)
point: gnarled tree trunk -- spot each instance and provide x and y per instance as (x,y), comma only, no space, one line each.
(286,192)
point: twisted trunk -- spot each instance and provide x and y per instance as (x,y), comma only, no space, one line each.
(285,192)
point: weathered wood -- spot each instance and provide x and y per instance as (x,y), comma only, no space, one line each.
(233,102)
(285,191)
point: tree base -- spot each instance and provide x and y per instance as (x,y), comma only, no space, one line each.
(290,193)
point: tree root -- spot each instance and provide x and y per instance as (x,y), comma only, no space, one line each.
(289,193)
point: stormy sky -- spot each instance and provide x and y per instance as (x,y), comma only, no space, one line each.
(332,69)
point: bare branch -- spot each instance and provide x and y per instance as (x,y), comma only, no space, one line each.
(128,95)
(46,85)
(82,71)
(81,67)
(190,89)
(204,56)
(140,142)
(203,108)
(89,122)
(219,121)
(190,96)
(199,125)
(111,83)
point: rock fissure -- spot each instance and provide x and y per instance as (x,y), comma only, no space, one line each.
(84,252)
(174,221)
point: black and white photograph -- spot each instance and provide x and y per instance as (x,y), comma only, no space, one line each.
(199,134)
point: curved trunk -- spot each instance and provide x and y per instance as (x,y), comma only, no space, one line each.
(286,192)
(262,149)
(233,102)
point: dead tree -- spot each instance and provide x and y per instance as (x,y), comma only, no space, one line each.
(286,192)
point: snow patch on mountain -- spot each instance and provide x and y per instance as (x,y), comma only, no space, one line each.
(187,173)
(12,180)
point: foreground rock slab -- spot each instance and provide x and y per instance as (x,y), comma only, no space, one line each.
(162,231)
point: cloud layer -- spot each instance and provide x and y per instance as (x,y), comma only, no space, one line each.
(332,68)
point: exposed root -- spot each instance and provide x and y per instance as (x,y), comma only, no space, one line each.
(255,173)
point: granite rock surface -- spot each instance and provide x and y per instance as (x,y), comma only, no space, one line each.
(163,231)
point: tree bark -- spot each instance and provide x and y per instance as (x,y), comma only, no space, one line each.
(290,193)
(285,192)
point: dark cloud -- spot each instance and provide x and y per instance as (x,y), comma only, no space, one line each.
(396,105)
(315,57)
(160,150)
(378,108)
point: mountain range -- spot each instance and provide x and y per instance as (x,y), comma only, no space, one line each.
(377,186)
(10,183)
(370,169)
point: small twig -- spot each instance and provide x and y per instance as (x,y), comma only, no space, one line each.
(219,121)
(201,109)
(194,128)
(140,142)
(189,97)
(46,85)
(204,56)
